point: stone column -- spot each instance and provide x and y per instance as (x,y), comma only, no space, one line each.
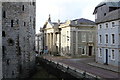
(76,42)
(54,41)
(59,43)
(50,41)
(47,37)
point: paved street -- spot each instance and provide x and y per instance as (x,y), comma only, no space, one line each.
(82,64)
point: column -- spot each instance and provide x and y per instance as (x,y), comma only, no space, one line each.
(50,40)
(54,42)
(77,42)
(59,43)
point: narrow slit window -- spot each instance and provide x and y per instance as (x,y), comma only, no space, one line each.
(11,23)
(23,7)
(3,51)
(4,14)
(24,23)
(3,33)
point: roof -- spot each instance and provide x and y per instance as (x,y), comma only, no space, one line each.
(111,16)
(109,4)
(84,21)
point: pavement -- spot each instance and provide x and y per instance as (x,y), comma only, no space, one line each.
(107,67)
(88,65)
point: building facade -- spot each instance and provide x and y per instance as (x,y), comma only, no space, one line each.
(52,36)
(108,33)
(71,38)
(78,37)
(17,38)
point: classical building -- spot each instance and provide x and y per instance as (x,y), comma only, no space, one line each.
(72,38)
(78,37)
(108,33)
(52,36)
(17,43)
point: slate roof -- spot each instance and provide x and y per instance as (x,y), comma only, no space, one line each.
(114,15)
(82,21)
(109,4)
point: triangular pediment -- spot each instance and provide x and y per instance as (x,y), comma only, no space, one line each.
(49,25)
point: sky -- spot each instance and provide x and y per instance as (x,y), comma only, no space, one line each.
(64,10)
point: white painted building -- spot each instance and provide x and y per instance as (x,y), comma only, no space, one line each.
(108,33)
(71,38)
(78,37)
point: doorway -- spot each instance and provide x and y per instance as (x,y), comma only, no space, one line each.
(106,60)
(90,50)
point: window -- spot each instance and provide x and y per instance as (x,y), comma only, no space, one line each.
(100,26)
(113,38)
(33,3)
(3,33)
(17,21)
(113,55)
(100,38)
(106,25)
(90,37)
(3,51)
(10,42)
(106,38)
(23,8)
(74,36)
(24,23)
(113,24)
(83,37)
(34,23)
(30,18)
(11,23)
(4,14)
(100,52)
(104,14)
(8,61)
(67,36)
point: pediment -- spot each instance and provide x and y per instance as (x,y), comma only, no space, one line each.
(49,25)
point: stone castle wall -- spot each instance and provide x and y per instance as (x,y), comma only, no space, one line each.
(18,34)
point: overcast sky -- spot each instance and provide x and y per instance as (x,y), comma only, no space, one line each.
(64,10)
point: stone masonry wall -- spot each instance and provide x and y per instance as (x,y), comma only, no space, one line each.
(18,23)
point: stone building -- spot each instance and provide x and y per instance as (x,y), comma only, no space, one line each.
(78,37)
(108,32)
(71,38)
(51,36)
(17,43)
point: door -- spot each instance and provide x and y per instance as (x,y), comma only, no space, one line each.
(90,50)
(106,62)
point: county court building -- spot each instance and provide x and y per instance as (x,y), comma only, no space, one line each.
(17,33)
(108,33)
(71,38)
